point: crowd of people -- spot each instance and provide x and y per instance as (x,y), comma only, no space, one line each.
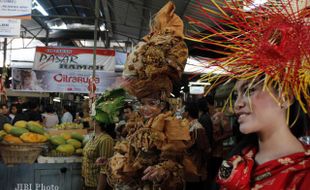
(32,111)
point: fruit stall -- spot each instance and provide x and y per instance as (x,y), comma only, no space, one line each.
(32,156)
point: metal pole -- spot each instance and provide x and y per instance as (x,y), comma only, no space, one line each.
(3,75)
(95,40)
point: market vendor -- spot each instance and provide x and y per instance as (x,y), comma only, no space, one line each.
(100,147)
(152,154)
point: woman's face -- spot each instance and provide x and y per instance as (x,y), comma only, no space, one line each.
(256,109)
(150,107)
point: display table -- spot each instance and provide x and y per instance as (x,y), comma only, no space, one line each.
(41,177)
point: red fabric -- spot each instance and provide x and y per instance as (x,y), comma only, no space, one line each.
(289,172)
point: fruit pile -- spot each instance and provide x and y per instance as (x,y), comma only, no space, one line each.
(66,144)
(23,132)
(69,125)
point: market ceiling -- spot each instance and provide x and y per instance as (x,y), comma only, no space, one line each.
(71,22)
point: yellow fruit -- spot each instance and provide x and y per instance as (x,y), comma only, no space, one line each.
(33,138)
(34,123)
(2,133)
(21,124)
(12,140)
(66,148)
(75,143)
(66,136)
(7,127)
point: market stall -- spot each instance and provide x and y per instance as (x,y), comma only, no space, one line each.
(33,157)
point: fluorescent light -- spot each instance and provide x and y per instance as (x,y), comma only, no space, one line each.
(86,97)
(56,99)
(254,5)
(182,87)
(102,27)
(36,5)
(172,95)
(199,83)
(201,65)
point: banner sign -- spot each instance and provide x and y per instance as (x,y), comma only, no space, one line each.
(61,80)
(19,9)
(9,27)
(70,58)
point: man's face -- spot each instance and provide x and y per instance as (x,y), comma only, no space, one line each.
(127,112)
(4,110)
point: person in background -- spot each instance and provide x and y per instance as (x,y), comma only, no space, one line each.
(20,115)
(3,118)
(198,149)
(50,118)
(100,147)
(205,119)
(67,116)
(95,153)
(120,128)
(13,111)
(33,112)
(4,110)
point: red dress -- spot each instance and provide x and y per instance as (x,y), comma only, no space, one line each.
(286,173)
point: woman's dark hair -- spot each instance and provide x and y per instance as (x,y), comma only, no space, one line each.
(298,120)
(202,104)
(108,128)
(192,109)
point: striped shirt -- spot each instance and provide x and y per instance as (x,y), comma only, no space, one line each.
(99,146)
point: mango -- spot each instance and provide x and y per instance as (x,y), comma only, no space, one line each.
(57,140)
(68,149)
(7,127)
(17,131)
(12,140)
(77,136)
(35,128)
(79,151)
(2,133)
(33,138)
(75,143)
(21,124)
(35,123)
(66,136)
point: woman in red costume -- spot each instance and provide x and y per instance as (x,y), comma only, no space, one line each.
(267,50)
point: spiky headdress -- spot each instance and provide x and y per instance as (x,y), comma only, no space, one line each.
(272,39)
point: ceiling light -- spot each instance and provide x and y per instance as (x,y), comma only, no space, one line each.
(172,95)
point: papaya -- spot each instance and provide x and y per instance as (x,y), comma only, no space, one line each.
(34,123)
(12,140)
(35,128)
(68,149)
(77,136)
(57,140)
(33,138)
(66,136)
(7,127)
(79,151)
(75,143)
(17,131)
(21,124)
(2,133)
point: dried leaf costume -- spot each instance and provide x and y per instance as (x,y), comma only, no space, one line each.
(150,70)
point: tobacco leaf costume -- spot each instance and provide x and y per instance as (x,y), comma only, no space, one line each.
(150,70)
